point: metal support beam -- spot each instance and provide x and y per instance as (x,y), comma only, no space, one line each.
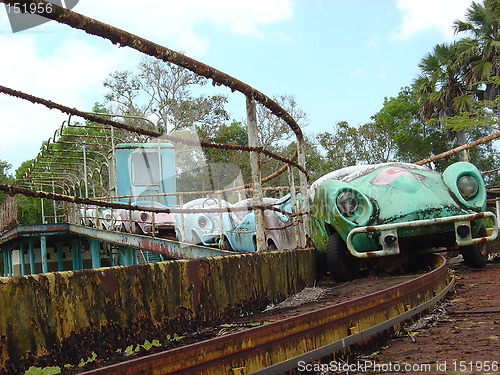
(301,158)
(95,249)
(22,262)
(76,255)
(7,262)
(258,198)
(43,253)
(31,252)
(60,260)
(112,262)
(85,172)
(127,257)
(497,204)
(295,207)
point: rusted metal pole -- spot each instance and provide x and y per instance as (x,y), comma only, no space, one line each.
(258,198)
(303,186)
(43,254)
(42,208)
(54,203)
(460,148)
(295,208)
(497,206)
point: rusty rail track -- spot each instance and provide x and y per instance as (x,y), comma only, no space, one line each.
(280,346)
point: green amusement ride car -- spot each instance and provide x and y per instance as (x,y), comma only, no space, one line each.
(397,210)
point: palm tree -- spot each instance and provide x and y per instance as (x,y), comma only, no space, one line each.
(481,52)
(441,87)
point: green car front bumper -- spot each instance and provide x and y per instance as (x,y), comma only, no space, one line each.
(388,237)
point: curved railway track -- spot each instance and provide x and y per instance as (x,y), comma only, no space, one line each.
(283,344)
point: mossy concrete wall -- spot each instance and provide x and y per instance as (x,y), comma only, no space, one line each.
(60,317)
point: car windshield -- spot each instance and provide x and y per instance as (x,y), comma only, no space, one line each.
(145,168)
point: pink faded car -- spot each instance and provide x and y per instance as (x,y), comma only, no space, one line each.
(146,222)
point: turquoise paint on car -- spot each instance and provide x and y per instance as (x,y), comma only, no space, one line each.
(392,193)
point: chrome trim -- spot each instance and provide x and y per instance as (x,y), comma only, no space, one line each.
(387,229)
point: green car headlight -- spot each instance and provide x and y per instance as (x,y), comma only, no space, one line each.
(347,203)
(466,183)
(467,186)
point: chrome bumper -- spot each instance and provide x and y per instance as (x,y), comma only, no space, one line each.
(389,233)
(148,228)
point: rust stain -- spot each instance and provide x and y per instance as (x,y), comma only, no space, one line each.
(194,280)
(109,280)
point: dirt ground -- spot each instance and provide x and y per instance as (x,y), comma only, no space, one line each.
(460,336)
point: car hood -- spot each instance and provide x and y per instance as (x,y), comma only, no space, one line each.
(401,194)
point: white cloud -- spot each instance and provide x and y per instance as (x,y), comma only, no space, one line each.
(424,15)
(72,69)
(373,41)
(358,72)
(173,23)
(72,74)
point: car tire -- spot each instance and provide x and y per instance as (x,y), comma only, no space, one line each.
(195,239)
(226,245)
(137,229)
(341,264)
(321,263)
(271,246)
(476,255)
(178,236)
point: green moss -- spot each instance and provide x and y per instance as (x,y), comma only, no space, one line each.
(43,371)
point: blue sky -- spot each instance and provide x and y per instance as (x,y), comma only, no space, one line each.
(339,58)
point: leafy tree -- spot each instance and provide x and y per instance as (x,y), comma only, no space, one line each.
(272,129)
(29,209)
(4,176)
(347,145)
(481,52)
(413,139)
(4,170)
(233,134)
(275,135)
(316,163)
(483,113)
(480,122)
(227,162)
(441,87)
(162,93)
